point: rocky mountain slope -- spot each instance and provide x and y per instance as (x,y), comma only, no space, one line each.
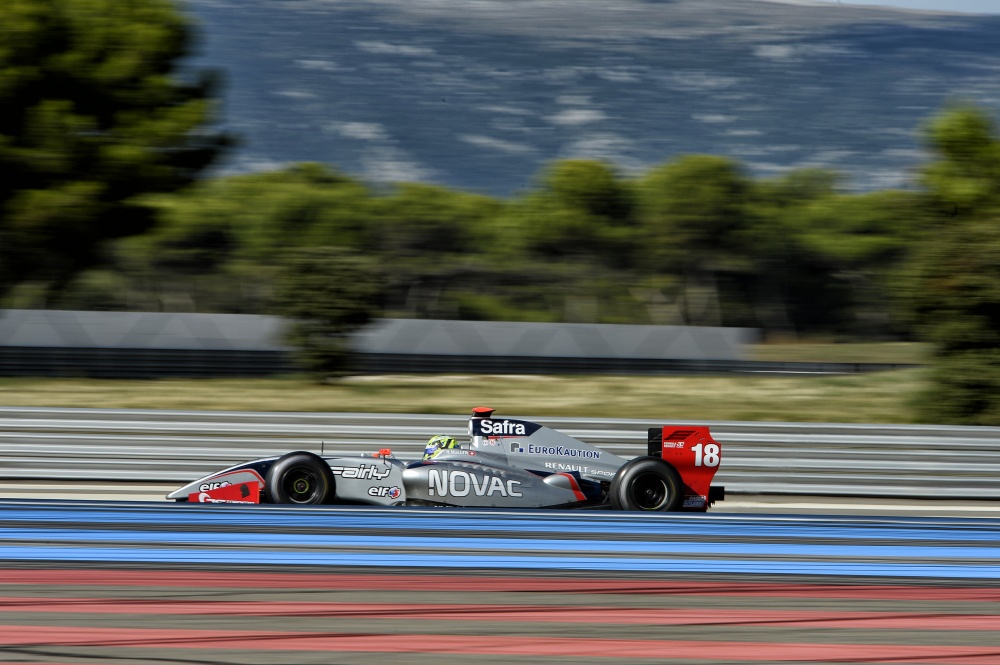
(480,94)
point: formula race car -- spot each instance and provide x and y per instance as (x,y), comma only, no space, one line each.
(507,464)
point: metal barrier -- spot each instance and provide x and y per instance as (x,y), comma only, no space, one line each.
(913,461)
(105,363)
(154,363)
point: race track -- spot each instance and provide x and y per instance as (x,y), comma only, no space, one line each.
(99,582)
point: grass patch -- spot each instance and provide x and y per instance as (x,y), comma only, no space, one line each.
(865,398)
(896,353)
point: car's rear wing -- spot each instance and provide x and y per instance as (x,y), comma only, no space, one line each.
(696,456)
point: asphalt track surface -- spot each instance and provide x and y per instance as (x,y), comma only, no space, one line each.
(144,583)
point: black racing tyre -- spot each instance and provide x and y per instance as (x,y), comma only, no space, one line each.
(647,483)
(300,478)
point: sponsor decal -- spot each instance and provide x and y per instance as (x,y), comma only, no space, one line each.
(391,492)
(488,427)
(563,451)
(227,493)
(582,468)
(694,502)
(229,479)
(363,472)
(673,444)
(503,427)
(460,483)
(205,497)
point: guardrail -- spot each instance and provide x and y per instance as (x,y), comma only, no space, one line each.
(153,363)
(912,461)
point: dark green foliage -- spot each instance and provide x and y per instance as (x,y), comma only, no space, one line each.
(964,179)
(582,211)
(693,211)
(695,223)
(962,389)
(216,243)
(954,288)
(858,242)
(790,255)
(91,116)
(953,284)
(327,293)
(416,221)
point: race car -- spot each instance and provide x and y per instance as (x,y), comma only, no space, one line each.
(506,464)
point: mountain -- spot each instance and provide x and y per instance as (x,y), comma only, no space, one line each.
(480,94)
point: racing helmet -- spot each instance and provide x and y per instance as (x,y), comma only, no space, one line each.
(438,443)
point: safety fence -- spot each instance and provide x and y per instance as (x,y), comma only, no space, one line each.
(122,363)
(913,461)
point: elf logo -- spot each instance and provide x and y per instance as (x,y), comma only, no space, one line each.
(391,492)
(208,487)
(460,483)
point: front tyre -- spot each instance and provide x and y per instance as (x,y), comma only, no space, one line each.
(300,479)
(649,484)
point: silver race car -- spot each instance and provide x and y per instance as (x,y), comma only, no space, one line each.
(506,464)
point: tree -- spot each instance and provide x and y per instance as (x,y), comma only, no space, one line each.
(953,284)
(327,293)
(964,179)
(582,211)
(92,116)
(572,239)
(215,244)
(694,216)
(955,292)
(437,242)
(857,242)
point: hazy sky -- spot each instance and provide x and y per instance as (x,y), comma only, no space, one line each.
(972,6)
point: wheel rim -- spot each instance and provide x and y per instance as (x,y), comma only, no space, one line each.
(301,485)
(649,492)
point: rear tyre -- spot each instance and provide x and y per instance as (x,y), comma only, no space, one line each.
(300,479)
(648,484)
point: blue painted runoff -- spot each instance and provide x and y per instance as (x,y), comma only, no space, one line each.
(54,531)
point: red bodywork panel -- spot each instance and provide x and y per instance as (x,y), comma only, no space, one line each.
(240,493)
(694,453)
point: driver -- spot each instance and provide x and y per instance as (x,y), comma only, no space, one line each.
(437,444)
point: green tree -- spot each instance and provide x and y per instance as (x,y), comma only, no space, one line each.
(786,286)
(963,181)
(954,289)
(215,244)
(327,293)
(572,240)
(582,211)
(953,283)
(857,242)
(695,221)
(93,114)
(436,242)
